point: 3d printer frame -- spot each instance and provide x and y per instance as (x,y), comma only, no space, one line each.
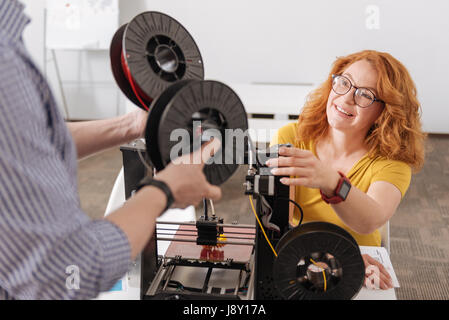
(258,280)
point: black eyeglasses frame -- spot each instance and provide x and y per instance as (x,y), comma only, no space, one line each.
(356,88)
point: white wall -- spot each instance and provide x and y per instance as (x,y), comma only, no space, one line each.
(296,41)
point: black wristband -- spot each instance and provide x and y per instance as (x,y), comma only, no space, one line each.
(150,181)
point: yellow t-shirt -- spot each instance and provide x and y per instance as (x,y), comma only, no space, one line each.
(363,173)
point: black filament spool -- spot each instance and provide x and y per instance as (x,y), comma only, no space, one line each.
(215,105)
(157,108)
(327,245)
(158,51)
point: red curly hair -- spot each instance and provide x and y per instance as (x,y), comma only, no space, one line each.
(397,133)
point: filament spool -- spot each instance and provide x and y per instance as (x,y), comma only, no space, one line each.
(210,103)
(150,53)
(317,261)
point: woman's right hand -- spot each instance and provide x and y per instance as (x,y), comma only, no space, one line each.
(185,177)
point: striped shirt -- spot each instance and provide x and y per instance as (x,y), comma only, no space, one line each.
(49,248)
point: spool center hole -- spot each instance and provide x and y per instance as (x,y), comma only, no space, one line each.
(166,58)
(318,272)
(208,118)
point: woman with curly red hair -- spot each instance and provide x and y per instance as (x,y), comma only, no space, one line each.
(356,143)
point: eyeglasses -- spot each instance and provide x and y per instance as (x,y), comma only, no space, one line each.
(363,97)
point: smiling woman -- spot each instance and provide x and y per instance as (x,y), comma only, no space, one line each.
(396,133)
(355,143)
(361,128)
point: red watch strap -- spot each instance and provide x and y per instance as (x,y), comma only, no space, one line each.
(336,198)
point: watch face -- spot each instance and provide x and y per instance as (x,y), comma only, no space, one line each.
(344,189)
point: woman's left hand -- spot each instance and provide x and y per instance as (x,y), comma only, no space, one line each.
(304,169)
(376,276)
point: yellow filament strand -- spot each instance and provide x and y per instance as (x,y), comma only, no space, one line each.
(260,225)
(324,274)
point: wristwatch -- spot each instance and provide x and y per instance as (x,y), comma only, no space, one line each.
(341,191)
(150,181)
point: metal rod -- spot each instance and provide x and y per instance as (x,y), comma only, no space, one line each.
(195,235)
(170,273)
(212,208)
(193,223)
(194,230)
(158,279)
(168,229)
(205,208)
(206,280)
(177,234)
(244,243)
(236,292)
(245,233)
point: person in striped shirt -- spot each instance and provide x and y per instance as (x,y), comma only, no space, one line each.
(43,230)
